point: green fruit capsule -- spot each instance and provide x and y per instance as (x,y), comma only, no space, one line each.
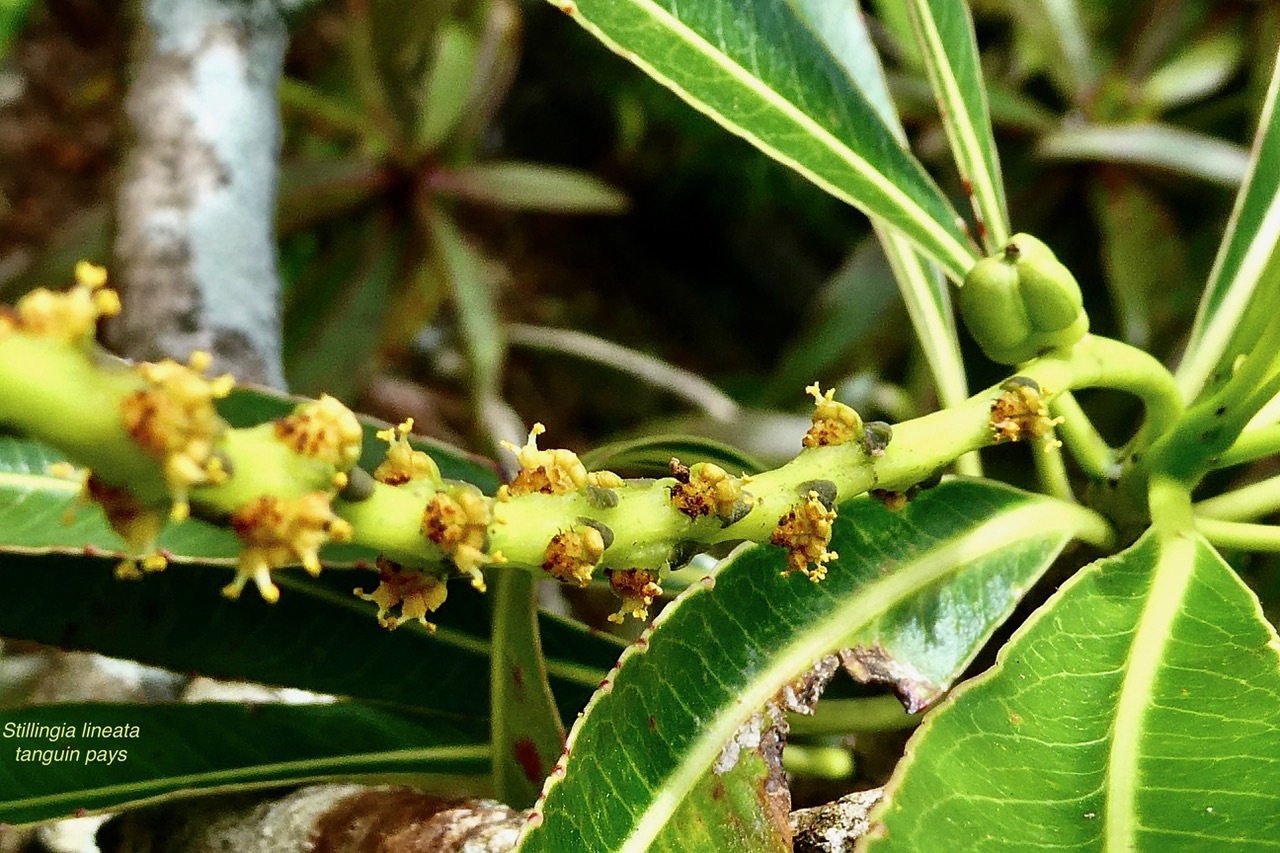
(991,306)
(1021,302)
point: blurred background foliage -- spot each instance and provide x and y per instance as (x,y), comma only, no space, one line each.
(471,186)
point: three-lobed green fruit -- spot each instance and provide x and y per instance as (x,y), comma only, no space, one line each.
(1021,302)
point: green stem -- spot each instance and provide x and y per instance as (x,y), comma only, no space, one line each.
(1051,469)
(847,716)
(1212,426)
(56,392)
(523,721)
(1251,501)
(1087,446)
(1251,445)
(1240,535)
(818,762)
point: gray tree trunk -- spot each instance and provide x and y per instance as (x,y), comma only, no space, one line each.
(195,258)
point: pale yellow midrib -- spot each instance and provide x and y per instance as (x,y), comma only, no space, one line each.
(1169,582)
(856,614)
(971,159)
(960,258)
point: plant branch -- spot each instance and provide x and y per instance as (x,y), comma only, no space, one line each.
(1251,501)
(846,716)
(1240,535)
(1087,447)
(553,516)
(1252,444)
(194,245)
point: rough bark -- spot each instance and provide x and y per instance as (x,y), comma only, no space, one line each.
(194,252)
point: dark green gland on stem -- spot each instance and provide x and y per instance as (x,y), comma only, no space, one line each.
(1021,302)
(876,436)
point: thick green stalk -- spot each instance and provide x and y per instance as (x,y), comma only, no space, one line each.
(56,392)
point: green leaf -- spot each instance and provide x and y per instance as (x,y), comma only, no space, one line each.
(649,456)
(1243,281)
(318,637)
(36,506)
(944,31)
(842,29)
(1009,107)
(1153,145)
(1132,220)
(756,68)
(448,84)
(525,727)
(313,191)
(1139,709)
(530,186)
(472,285)
(1194,72)
(743,803)
(165,752)
(917,591)
(12,15)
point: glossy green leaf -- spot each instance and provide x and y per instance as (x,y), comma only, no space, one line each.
(530,186)
(756,68)
(915,592)
(319,636)
(650,456)
(944,31)
(160,753)
(743,803)
(1139,709)
(1243,280)
(524,724)
(842,28)
(1155,146)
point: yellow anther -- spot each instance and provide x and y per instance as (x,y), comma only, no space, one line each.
(323,429)
(805,531)
(174,419)
(403,463)
(90,275)
(637,588)
(69,316)
(279,531)
(572,556)
(458,521)
(834,423)
(707,489)
(548,472)
(1021,414)
(416,592)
